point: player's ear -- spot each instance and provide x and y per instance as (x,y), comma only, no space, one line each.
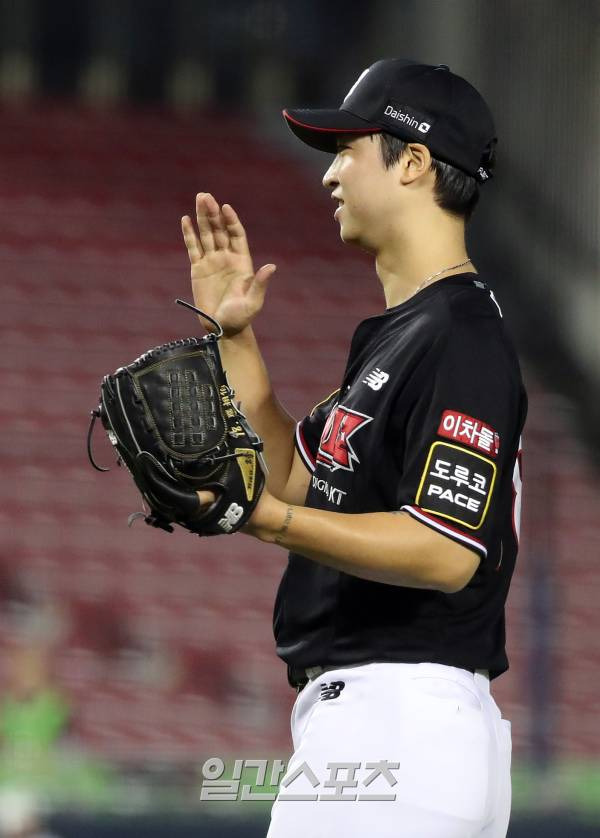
(414,163)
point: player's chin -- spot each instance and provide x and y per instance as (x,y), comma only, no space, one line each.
(348,232)
(351,235)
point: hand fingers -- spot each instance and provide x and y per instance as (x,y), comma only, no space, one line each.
(262,277)
(191,240)
(217,224)
(206,498)
(237,234)
(259,284)
(204,228)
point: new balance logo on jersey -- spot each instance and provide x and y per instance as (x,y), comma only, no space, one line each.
(376,379)
(231,517)
(335,450)
(333,690)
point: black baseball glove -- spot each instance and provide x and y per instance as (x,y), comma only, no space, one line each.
(171,416)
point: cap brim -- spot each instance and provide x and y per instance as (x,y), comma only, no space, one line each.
(320,128)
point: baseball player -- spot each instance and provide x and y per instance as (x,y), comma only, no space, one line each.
(398,497)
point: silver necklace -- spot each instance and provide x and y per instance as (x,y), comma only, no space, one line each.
(433,276)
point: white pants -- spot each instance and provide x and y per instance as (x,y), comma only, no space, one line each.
(434,740)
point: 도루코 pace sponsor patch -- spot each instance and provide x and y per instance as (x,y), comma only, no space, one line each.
(456,484)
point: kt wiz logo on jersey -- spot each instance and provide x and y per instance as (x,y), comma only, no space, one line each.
(335,448)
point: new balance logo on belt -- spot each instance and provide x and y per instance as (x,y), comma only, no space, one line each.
(333,690)
(376,379)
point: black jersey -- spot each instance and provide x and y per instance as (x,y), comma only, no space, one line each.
(428,420)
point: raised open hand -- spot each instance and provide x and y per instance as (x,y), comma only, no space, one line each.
(223,280)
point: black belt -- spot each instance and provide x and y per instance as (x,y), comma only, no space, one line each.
(298,677)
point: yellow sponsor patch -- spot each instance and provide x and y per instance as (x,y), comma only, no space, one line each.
(457,484)
(246,461)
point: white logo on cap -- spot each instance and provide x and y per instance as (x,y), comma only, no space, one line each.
(356,83)
(407,119)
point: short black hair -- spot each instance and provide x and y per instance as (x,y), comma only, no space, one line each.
(454,191)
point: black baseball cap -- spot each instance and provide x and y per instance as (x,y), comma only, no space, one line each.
(416,102)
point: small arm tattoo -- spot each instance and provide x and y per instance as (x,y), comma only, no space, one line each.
(285,526)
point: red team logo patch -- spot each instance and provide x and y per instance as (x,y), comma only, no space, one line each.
(335,450)
(469,431)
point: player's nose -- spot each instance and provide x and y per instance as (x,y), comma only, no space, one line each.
(330,180)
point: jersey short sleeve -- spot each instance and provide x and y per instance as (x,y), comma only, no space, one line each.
(310,429)
(460,427)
